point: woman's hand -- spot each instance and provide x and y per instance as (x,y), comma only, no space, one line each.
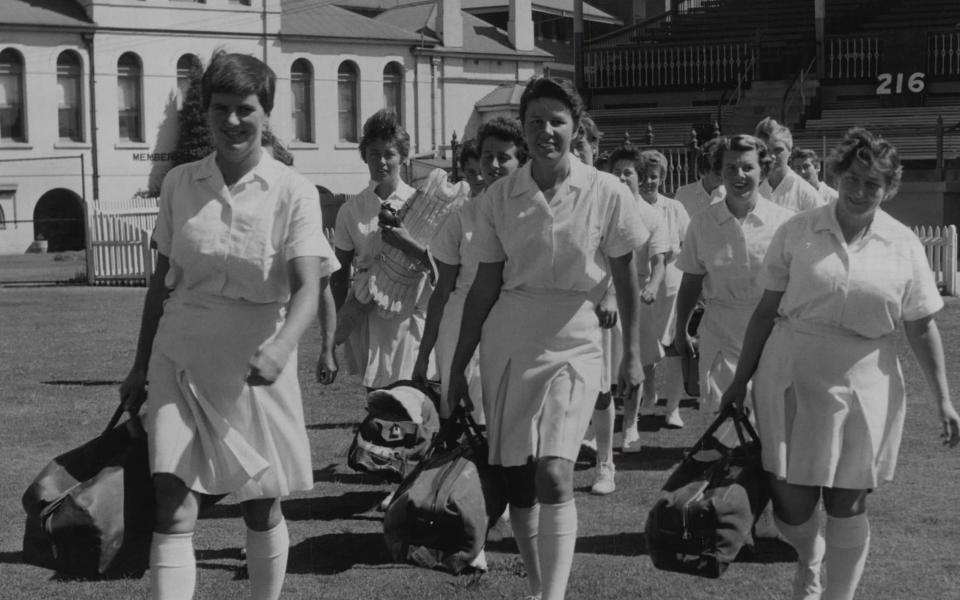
(606,310)
(327,367)
(399,237)
(457,392)
(736,394)
(685,344)
(268,362)
(648,293)
(951,424)
(630,376)
(133,391)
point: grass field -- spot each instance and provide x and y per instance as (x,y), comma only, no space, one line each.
(65,348)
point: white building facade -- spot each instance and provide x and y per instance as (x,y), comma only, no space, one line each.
(90,89)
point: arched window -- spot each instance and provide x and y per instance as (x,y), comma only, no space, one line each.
(129,102)
(187,66)
(3,219)
(348,100)
(70,96)
(393,88)
(301,84)
(12,127)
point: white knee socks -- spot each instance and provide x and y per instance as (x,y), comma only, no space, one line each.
(603,427)
(173,568)
(848,541)
(267,561)
(525,523)
(673,381)
(807,540)
(556,543)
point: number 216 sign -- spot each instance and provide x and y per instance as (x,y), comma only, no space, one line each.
(892,83)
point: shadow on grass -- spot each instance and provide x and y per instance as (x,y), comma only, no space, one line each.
(768,551)
(323,508)
(334,473)
(328,426)
(82,382)
(650,458)
(337,552)
(617,544)
(11,558)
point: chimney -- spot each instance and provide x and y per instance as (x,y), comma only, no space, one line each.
(520,26)
(450,23)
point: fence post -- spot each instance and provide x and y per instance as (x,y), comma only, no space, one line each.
(951,260)
(455,151)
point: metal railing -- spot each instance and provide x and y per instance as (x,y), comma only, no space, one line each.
(668,66)
(943,53)
(853,57)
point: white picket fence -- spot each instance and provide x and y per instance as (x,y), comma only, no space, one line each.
(120,243)
(940,244)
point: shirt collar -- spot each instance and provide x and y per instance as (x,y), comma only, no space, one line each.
(883,226)
(760,213)
(401,194)
(578,178)
(265,170)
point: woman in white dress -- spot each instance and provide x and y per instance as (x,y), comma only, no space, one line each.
(502,151)
(721,257)
(783,186)
(827,386)
(547,238)
(381,349)
(218,341)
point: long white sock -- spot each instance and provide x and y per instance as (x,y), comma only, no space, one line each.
(808,541)
(173,567)
(848,541)
(673,381)
(267,561)
(649,387)
(557,541)
(631,408)
(525,523)
(603,427)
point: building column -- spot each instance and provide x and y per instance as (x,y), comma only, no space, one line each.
(819,18)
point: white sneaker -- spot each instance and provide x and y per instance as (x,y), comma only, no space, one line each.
(673,420)
(631,440)
(590,443)
(480,562)
(806,583)
(604,482)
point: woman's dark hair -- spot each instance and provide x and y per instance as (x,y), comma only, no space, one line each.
(705,158)
(558,89)
(872,152)
(742,143)
(468,150)
(804,154)
(239,74)
(629,154)
(385,125)
(507,130)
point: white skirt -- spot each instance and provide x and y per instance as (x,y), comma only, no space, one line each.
(384,350)
(205,424)
(721,341)
(540,364)
(830,406)
(446,345)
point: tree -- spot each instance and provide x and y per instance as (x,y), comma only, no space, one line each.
(193,138)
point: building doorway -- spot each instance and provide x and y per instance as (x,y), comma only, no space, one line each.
(58,217)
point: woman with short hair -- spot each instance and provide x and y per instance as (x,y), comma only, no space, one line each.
(242,261)
(544,238)
(820,349)
(782,186)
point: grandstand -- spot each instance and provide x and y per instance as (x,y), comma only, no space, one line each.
(890,66)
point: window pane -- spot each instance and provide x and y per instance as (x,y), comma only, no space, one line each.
(11,97)
(347,103)
(69,101)
(128,99)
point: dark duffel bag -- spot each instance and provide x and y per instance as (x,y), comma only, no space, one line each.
(396,434)
(90,511)
(710,503)
(440,515)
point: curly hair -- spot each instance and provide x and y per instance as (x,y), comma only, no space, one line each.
(869,150)
(654,158)
(507,130)
(628,154)
(742,143)
(804,154)
(385,125)
(468,149)
(556,88)
(769,131)
(705,158)
(239,74)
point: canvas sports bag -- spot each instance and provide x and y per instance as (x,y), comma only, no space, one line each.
(400,425)
(710,503)
(90,511)
(440,515)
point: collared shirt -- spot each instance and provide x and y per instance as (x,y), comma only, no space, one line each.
(793,192)
(659,242)
(729,253)
(827,193)
(561,243)
(235,241)
(451,244)
(694,197)
(866,287)
(358,228)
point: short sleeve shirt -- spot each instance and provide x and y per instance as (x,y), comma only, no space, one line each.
(357,229)
(866,287)
(451,244)
(235,241)
(694,197)
(793,193)
(659,242)
(561,243)
(730,253)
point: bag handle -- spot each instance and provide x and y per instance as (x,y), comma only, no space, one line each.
(741,424)
(115,419)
